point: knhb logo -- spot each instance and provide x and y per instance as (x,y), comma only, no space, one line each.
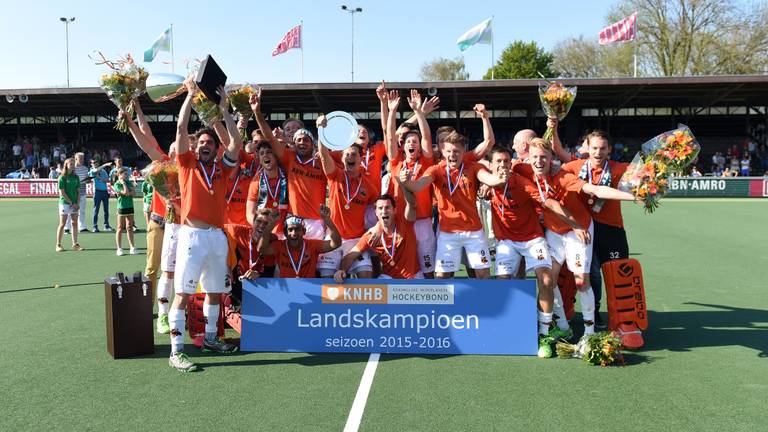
(355,294)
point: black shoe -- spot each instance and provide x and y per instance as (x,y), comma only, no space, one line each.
(599,323)
(66,231)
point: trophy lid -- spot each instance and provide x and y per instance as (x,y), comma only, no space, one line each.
(209,78)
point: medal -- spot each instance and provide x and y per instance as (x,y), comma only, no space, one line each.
(208,178)
(296,269)
(390,251)
(452,188)
(590,201)
(274,203)
(272,194)
(346,184)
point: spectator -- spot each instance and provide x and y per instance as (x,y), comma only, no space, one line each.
(81,171)
(69,187)
(55,171)
(734,164)
(695,172)
(35,174)
(16,151)
(762,156)
(727,172)
(745,165)
(100,193)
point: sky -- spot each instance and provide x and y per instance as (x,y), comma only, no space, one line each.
(393,38)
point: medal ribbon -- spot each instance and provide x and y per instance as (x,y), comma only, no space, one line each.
(346,181)
(290,256)
(272,195)
(452,188)
(208,178)
(502,199)
(389,252)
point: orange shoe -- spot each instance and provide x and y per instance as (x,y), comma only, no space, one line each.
(631,336)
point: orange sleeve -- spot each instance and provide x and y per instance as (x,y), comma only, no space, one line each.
(570,182)
(362,244)
(253,190)
(187,159)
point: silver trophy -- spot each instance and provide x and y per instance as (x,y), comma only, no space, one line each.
(162,87)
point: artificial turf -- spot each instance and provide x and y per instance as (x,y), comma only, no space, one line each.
(704,366)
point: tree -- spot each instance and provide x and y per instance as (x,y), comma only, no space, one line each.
(522,60)
(699,37)
(443,69)
(580,58)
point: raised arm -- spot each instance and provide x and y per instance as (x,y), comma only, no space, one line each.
(147,143)
(557,146)
(142,121)
(426,135)
(393,102)
(261,121)
(335,240)
(264,244)
(329,167)
(235,142)
(182,124)
(381,93)
(489,140)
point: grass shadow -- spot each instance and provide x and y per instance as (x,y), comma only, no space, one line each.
(51,287)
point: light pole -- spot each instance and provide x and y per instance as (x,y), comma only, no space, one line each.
(352,12)
(66,26)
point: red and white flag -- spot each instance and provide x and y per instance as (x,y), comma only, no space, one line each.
(292,39)
(623,30)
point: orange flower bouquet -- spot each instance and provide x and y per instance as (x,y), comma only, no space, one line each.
(207,111)
(677,148)
(599,349)
(556,101)
(124,84)
(647,179)
(240,99)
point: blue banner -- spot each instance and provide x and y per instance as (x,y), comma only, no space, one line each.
(455,316)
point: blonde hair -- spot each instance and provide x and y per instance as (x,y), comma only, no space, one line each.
(455,138)
(66,168)
(540,143)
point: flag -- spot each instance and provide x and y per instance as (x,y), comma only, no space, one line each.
(163,43)
(481,33)
(623,30)
(292,39)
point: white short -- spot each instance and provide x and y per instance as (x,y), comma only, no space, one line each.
(332,259)
(449,246)
(170,241)
(201,258)
(66,209)
(425,244)
(509,253)
(315,229)
(569,249)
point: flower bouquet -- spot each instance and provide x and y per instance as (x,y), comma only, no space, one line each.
(646,178)
(677,148)
(596,349)
(123,85)
(208,112)
(164,178)
(556,100)
(240,99)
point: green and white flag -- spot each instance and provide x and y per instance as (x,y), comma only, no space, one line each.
(481,33)
(163,43)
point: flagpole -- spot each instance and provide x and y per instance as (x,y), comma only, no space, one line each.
(301,31)
(492,57)
(172,61)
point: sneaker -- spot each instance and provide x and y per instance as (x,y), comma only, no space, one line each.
(545,346)
(119,252)
(95,230)
(76,247)
(162,324)
(218,345)
(59,248)
(83,230)
(108,228)
(180,362)
(133,251)
(135,228)
(66,230)
(558,333)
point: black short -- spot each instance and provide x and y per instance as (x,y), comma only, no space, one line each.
(125,211)
(610,243)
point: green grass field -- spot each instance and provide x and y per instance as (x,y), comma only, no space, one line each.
(704,367)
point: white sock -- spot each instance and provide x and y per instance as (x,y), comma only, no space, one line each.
(587,301)
(559,311)
(211,314)
(164,287)
(545,321)
(177,320)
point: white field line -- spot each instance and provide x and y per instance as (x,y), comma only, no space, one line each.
(358,406)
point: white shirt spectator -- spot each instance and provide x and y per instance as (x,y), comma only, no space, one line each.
(17,149)
(54,174)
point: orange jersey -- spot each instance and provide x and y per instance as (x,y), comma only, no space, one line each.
(237,192)
(562,187)
(273,195)
(610,213)
(361,192)
(404,262)
(423,197)
(514,210)
(199,200)
(305,263)
(306,185)
(371,161)
(457,210)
